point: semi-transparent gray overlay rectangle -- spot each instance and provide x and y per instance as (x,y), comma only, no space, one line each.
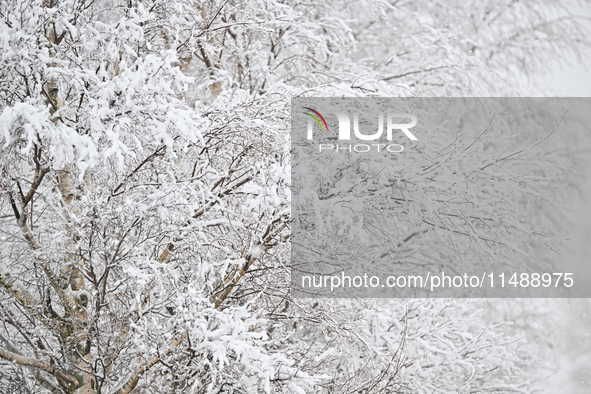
(437,197)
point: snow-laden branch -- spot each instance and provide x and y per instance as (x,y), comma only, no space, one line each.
(31,362)
(132,381)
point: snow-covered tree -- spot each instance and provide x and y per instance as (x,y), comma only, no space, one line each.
(144,180)
(459,200)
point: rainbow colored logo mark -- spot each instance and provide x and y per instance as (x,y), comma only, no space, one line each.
(316,117)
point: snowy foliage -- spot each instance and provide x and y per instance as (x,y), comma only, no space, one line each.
(144,184)
(459,200)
